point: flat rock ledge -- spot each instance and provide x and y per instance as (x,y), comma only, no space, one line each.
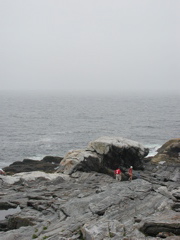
(47,164)
(91,205)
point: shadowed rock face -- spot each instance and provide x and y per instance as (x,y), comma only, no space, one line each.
(123,157)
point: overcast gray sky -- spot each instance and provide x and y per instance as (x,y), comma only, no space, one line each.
(107,45)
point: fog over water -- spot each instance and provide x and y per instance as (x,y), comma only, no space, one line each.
(90,46)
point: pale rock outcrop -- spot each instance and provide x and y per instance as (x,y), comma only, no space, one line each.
(32,176)
(80,160)
(103,144)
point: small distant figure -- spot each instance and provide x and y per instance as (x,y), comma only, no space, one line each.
(118,174)
(2,172)
(138,175)
(130,172)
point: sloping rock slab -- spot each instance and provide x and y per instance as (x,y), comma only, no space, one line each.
(169,152)
(166,222)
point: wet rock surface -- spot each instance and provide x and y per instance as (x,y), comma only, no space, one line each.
(93,205)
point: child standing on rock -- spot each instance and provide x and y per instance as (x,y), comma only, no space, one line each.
(118,174)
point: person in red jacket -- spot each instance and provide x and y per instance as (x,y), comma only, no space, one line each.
(130,173)
(117,173)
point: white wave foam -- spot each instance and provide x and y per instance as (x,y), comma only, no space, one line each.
(43,140)
(63,132)
(153,149)
(38,157)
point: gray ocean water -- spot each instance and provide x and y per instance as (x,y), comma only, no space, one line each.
(34,125)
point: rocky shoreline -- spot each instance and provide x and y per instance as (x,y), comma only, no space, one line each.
(77,196)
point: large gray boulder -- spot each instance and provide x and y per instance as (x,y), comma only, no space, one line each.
(105,155)
(118,151)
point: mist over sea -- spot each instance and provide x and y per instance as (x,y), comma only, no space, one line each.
(34,125)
